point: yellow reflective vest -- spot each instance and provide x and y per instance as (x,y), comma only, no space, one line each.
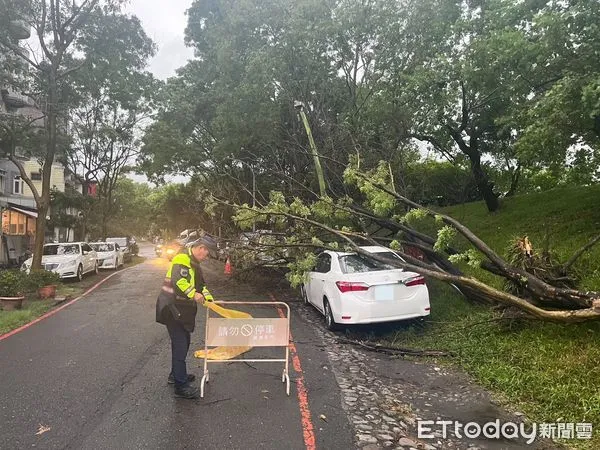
(176,299)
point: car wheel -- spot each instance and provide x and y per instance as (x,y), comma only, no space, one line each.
(304,295)
(329,320)
(79,272)
(96,267)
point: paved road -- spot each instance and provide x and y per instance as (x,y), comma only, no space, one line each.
(94,375)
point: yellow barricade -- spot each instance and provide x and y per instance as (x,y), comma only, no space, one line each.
(237,332)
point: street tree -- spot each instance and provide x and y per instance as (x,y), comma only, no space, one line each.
(113,104)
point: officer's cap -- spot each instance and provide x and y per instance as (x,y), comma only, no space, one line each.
(206,242)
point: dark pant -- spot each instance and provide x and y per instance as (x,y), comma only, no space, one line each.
(180,344)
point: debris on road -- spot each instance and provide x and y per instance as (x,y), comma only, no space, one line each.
(43,429)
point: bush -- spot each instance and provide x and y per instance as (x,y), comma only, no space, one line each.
(439,183)
(12,283)
(41,278)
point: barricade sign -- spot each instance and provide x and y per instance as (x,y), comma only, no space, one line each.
(244,333)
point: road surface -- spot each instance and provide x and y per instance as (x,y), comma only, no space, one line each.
(93,376)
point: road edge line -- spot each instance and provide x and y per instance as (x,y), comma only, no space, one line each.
(61,307)
(308,432)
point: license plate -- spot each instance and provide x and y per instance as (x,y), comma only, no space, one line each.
(384,293)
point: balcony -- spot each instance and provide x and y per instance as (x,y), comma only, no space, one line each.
(16,99)
(19,29)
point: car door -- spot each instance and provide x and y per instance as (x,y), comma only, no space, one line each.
(317,280)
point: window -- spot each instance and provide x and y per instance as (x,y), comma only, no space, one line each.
(69,249)
(323,263)
(36,176)
(2,179)
(103,247)
(359,263)
(16,223)
(18,186)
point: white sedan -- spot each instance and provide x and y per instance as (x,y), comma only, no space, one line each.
(349,288)
(68,260)
(109,254)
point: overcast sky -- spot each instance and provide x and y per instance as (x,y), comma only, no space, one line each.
(165,22)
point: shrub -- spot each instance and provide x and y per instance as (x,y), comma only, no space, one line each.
(12,283)
(41,278)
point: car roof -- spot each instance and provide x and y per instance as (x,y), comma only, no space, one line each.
(376,249)
(368,248)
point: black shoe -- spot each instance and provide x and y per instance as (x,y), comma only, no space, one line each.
(171,379)
(187,391)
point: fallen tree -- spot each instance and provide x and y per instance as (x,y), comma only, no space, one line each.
(343,224)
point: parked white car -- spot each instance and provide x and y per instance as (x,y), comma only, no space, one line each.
(349,288)
(109,254)
(68,260)
(123,246)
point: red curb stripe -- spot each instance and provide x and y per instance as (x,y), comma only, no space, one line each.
(307,425)
(54,311)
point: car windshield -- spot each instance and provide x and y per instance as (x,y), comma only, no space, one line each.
(103,247)
(358,263)
(53,250)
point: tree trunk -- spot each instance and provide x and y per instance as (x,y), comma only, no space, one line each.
(484,185)
(44,204)
(40,235)
(482,180)
(514,182)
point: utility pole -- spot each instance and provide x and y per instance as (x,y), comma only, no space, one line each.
(253,194)
(299,106)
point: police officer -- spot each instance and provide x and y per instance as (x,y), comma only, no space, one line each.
(176,308)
